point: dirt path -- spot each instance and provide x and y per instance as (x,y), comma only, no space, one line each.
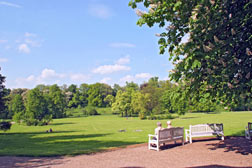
(233,152)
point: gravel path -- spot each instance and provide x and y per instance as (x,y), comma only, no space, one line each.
(209,153)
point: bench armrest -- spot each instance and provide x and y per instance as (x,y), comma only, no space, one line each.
(151,136)
(187,131)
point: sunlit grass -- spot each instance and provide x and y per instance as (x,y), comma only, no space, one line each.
(73,136)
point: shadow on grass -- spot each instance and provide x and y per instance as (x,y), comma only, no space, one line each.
(216,166)
(51,144)
(32,133)
(184,118)
(239,145)
(208,112)
(53,124)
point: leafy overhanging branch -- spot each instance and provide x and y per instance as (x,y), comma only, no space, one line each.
(217,58)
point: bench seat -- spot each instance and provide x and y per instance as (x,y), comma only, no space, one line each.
(166,135)
(201,130)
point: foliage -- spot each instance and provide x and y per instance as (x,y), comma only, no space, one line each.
(5,126)
(160,117)
(36,112)
(91,111)
(217,57)
(152,92)
(138,104)
(97,93)
(122,103)
(56,102)
(87,111)
(2,94)
(18,108)
(109,99)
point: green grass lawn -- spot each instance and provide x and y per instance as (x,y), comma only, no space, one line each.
(73,136)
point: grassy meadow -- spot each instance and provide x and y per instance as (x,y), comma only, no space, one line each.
(83,135)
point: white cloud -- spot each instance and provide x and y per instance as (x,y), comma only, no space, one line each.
(30,78)
(79,77)
(32,43)
(49,77)
(107,69)
(122,45)
(27,34)
(106,80)
(143,75)
(100,11)
(127,78)
(28,41)
(50,73)
(10,4)
(137,77)
(123,60)
(3,60)
(23,48)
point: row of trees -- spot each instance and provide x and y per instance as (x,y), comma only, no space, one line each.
(40,105)
(43,103)
(156,98)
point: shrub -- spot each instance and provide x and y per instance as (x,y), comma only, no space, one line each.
(92,111)
(5,125)
(84,112)
(160,117)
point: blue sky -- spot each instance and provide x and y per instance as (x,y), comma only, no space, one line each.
(74,42)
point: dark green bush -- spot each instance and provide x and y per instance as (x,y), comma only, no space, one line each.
(92,111)
(5,125)
(160,117)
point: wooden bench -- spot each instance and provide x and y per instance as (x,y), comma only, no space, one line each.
(166,135)
(248,131)
(204,130)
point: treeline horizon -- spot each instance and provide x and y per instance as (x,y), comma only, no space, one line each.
(154,99)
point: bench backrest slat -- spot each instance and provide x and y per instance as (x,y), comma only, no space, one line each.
(249,126)
(206,128)
(167,133)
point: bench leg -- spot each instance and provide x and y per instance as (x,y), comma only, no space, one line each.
(247,136)
(222,138)
(190,139)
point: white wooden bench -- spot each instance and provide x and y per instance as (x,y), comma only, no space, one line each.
(204,130)
(248,131)
(166,135)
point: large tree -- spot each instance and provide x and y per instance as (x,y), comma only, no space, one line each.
(17,108)
(37,112)
(56,102)
(217,57)
(97,93)
(2,94)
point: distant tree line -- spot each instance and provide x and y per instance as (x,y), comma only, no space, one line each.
(40,105)
(153,99)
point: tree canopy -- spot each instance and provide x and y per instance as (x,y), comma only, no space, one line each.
(217,57)
(2,93)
